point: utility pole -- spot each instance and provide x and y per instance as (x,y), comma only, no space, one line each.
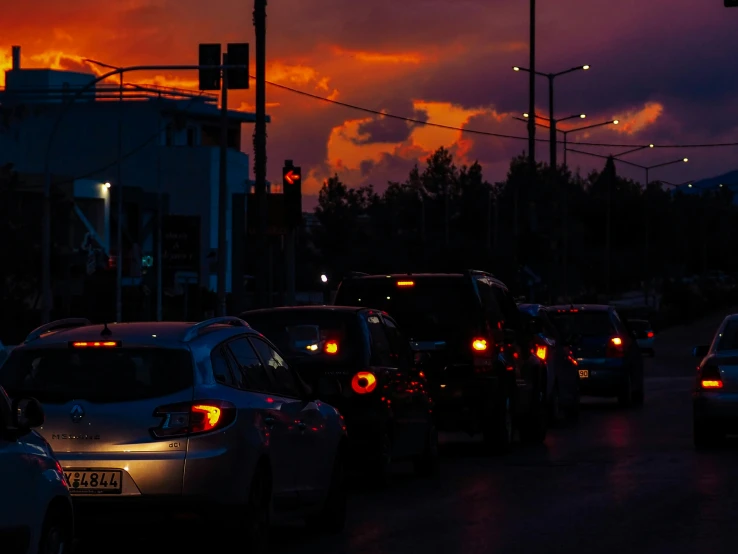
(260,157)
(532,88)
(223,193)
(119,223)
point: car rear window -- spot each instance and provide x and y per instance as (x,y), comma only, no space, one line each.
(310,335)
(98,375)
(583,323)
(425,308)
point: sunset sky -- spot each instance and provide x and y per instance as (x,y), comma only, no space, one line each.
(665,69)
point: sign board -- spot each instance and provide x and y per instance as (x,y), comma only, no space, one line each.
(181,243)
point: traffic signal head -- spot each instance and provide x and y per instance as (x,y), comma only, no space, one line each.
(292,191)
(209,55)
(730,3)
(238,54)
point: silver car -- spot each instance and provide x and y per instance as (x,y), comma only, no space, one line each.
(143,414)
(715,394)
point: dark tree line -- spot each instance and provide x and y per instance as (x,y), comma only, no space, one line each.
(599,233)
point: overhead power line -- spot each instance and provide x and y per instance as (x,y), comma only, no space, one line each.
(483,133)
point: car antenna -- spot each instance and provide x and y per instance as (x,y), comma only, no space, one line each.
(105,332)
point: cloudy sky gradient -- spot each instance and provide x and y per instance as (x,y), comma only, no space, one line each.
(665,68)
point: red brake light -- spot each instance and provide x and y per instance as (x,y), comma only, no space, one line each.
(712,384)
(364,382)
(193,418)
(541,352)
(649,335)
(331,347)
(96,344)
(615,348)
(479,344)
(405,283)
(710,378)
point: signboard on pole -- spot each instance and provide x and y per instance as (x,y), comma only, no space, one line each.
(181,243)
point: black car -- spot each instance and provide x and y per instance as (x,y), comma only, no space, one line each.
(607,355)
(471,343)
(382,396)
(563,378)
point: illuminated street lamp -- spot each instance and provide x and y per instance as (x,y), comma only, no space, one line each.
(551,78)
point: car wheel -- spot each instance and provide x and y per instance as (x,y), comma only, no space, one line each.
(256,526)
(426,464)
(332,518)
(625,397)
(535,427)
(56,532)
(705,435)
(499,428)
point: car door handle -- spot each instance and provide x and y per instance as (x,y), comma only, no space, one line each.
(301,425)
(269,421)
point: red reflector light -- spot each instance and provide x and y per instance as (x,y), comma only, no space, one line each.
(331,347)
(203,416)
(96,344)
(405,283)
(541,352)
(480,345)
(712,384)
(364,382)
(649,334)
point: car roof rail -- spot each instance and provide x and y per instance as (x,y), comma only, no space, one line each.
(194,331)
(58,325)
(351,274)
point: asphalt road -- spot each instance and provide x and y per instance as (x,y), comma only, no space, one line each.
(618,481)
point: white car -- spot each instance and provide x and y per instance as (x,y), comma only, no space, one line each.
(36,514)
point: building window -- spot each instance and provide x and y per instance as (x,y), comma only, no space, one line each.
(169,140)
(191,136)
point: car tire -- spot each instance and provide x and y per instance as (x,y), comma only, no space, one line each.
(258,511)
(332,517)
(706,436)
(499,426)
(535,426)
(625,395)
(57,532)
(426,464)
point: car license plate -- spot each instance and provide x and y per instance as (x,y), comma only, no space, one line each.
(584,374)
(93,482)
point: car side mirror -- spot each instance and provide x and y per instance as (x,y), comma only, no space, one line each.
(27,413)
(329,387)
(701,350)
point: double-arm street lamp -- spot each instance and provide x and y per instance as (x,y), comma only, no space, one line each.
(551,79)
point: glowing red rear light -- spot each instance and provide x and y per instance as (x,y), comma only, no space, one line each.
(712,384)
(331,347)
(541,352)
(193,418)
(364,382)
(96,344)
(615,348)
(479,344)
(405,283)
(649,334)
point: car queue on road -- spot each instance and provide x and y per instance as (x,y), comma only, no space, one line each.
(267,413)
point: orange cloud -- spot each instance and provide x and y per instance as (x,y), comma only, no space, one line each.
(382,57)
(634,121)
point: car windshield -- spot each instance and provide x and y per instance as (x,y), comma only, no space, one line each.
(583,323)
(424,308)
(728,339)
(99,375)
(310,335)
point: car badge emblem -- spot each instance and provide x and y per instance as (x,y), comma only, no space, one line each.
(77,413)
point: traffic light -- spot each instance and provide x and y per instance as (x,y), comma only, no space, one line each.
(238,54)
(731,3)
(292,190)
(209,55)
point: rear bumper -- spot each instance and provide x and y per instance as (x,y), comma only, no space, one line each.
(463,405)
(606,376)
(718,408)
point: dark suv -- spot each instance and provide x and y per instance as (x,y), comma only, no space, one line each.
(472,345)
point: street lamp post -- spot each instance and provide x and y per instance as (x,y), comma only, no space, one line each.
(551,78)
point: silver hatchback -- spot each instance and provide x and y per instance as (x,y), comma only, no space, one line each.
(185,415)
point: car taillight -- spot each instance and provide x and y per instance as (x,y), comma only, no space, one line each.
(541,352)
(364,382)
(615,348)
(649,335)
(331,347)
(193,418)
(480,344)
(710,378)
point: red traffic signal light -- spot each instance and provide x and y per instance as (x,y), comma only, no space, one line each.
(209,54)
